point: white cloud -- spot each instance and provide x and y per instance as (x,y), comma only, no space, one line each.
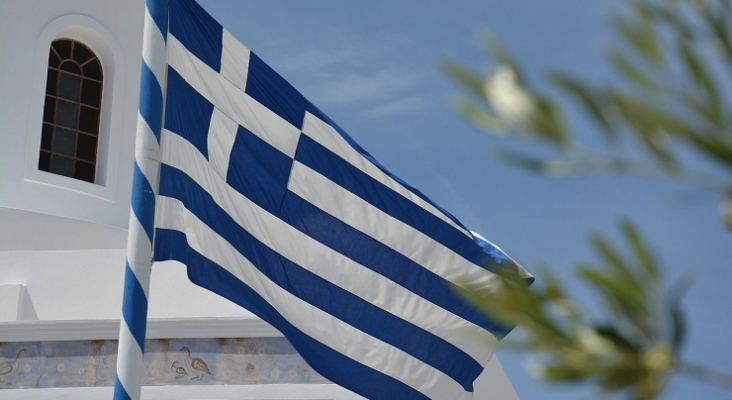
(369,86)
(388,91)
(314,61)
(401,106)
(356,76)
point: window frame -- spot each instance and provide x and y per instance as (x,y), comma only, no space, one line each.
(100,40)
(75,82)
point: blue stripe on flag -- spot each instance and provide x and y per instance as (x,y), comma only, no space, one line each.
(274,92)
(172,245)
(159,12)
(312,109)
(368,252)
(316,290)
(187,113)
(198,31)
(137,305)
(151,100)
(258,171)
(317,157)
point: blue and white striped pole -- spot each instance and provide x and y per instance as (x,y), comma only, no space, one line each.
(142,217)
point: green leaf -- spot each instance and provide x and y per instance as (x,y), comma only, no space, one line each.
(616,289)
(644,119)
(502,55)
(667,13)
(611,333)
(553,168)
(481,117)
(621,376)
(470,80)
(719,24)
(678,321)
(562,373)
(702,77)
(550,125)
(655,116)
(676,314)
(589,98)
(640,35)
(716,147)
(553,288)
(701,107)
(632,72)
(609,254)
(649,122)
(642,253)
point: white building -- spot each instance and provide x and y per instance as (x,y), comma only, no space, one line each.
(64,206)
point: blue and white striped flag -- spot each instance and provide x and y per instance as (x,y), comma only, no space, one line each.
(274,207)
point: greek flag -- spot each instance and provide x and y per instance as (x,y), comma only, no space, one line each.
(271,205)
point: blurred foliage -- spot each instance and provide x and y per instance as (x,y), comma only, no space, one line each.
(674,58)
(636,344)
(674,63)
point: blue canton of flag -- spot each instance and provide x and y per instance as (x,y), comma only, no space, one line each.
(274,207)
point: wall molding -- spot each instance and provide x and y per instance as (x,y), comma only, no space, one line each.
(158,328)
(238,392)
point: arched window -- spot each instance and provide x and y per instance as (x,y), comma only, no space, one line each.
(72,111)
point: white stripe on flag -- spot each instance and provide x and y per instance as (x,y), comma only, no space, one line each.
(268,126)
(234,60)
(325,262)
(312,321)
(358,213)
(328,137)
(221,137)
(232,101)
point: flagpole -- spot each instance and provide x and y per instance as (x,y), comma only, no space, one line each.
(131,345)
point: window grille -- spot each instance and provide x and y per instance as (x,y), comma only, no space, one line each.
(72,110)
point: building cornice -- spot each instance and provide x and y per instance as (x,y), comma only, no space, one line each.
(163,328)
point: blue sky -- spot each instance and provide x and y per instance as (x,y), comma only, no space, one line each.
(373,68)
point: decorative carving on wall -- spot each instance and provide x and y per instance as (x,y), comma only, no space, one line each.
(223,361)
(178,369)
(9,367)
(195,365)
